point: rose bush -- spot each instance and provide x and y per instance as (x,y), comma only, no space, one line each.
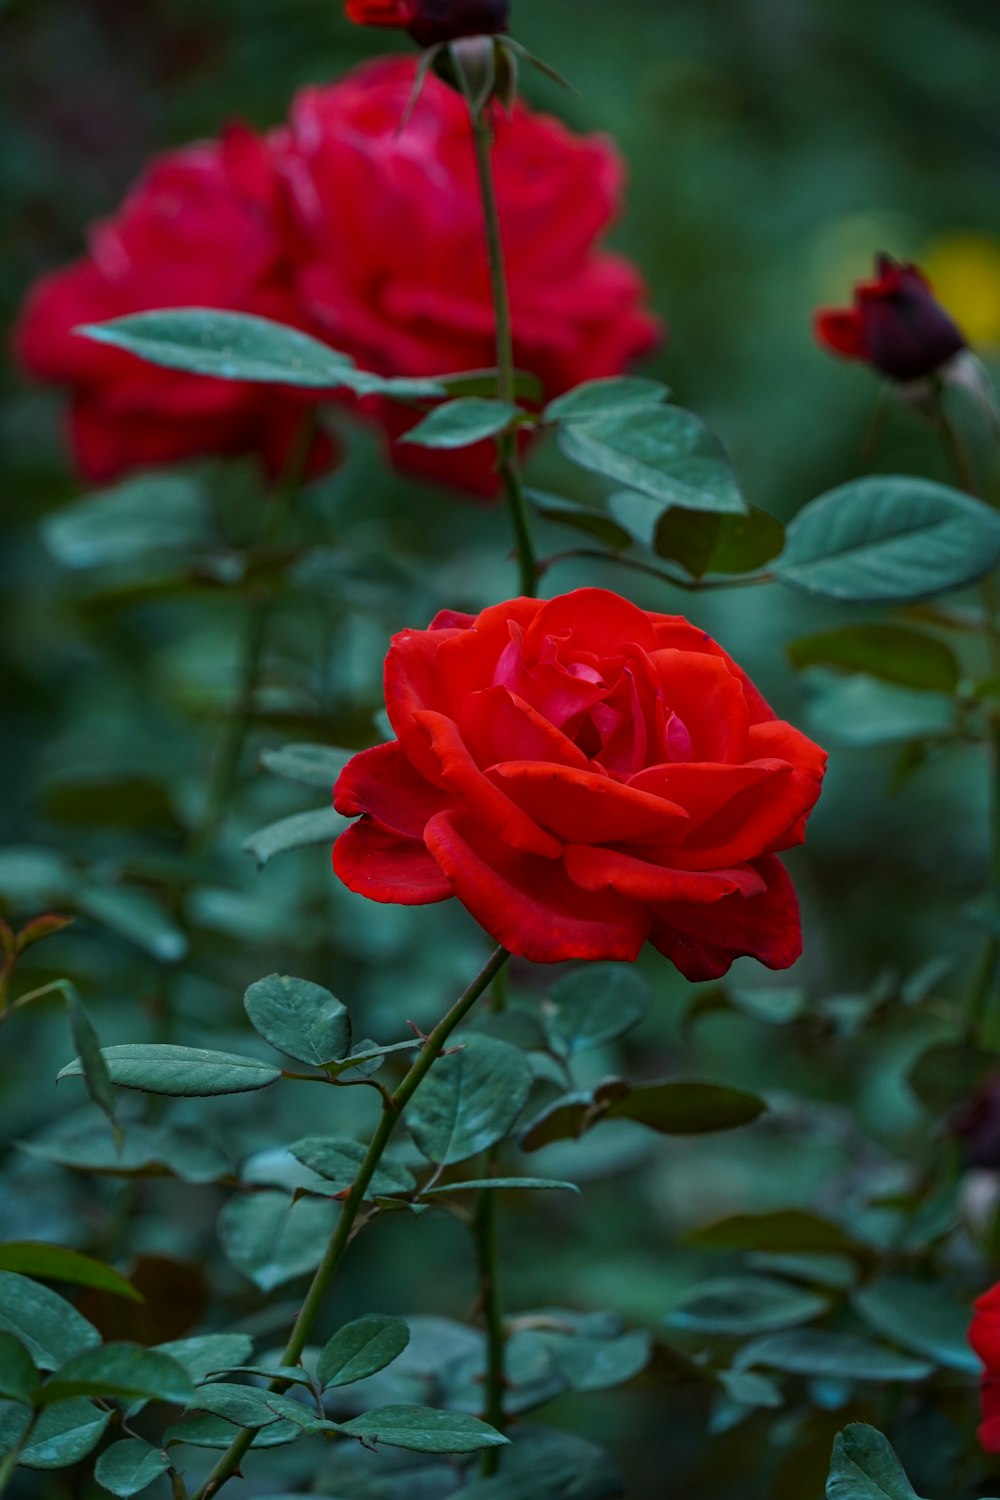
(984,1336)
(895,324)
(584,776)
(203,228)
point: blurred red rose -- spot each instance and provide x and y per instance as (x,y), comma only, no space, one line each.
(895,324)
(984,1336)
(584,776)
(202,228)
(391,257)
(433,21)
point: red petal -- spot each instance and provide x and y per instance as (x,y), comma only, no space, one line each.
(377,863)
(984,1332)
(382,782)
(841,330)
(497,725)
(640,880)
(702,941)
(586,807)
(709,698)
(528,904)
(594,620)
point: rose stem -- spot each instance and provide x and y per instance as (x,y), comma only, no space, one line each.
(507,460)
(261,606)
(392,1110)
(984,977)
(484,1230)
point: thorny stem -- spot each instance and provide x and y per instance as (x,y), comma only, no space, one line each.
(484,1230)
(507,459)
(347,1226)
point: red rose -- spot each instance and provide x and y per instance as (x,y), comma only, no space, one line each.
(984,1336)
(433,21)
(584,776)
(201,228)
(392,257)
(895,324)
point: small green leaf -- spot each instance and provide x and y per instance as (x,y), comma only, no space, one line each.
(47,1325)
(154,516)
(361,1348)
(129,1467)
(470,1099)
(57,1263)
(596,1364)
(213,1432)
(182,1072)
(242,1405)
(147,1151)
(921,1316)
(581,517)
(863,1466)
(605,397)
(705,543)
(458,424)
(895,653)
(745,1304)
(823,1354)
(564,1119)
(502,1184)
(890,538)
(18,1376)
(593,1006)
(63,1435)
(527,386)
(208,1353)
(859,711)
(126,1371)
(423,1430)
(95,1069)
(308,765)
(785,1229)
(338,1158)
(272,1240)
(687,1108)
(136,917)
(320,825)
(660,451)
(299,1018)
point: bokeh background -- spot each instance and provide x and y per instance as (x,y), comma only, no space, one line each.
(773,147)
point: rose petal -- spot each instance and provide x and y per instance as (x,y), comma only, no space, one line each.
(585,806)
(498,726)
(709,699)
(528,904)
(702,941)
(595,620)
(377,863)
(381,781)
(640,880)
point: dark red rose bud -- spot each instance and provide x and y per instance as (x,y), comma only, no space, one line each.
(431,22)
(977,1126)
(895,324)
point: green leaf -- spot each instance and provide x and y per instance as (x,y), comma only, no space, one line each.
(859,711)
(208,1353)
(581,517)
(126,1371)
(821,1354)
(893,538)
(181,1072)
(320,825)
(147,1151)
(213,1432)
(785,1229)
(593,1006)
(501,1184)
(338,1158)
(459,424)
(423,1430)
(863,1466)
(242,1405)
(57,1263)
(309,765)
(136,917)
(704,543)
(18,1376)
(688,1108)
(154,516)
(272,1240)
(895,653)
(605,397)
(299,1018)
(48,1326)
(470,1099)
(921,1316)
(744,1305)
(63,1435)
(129,1467)
(361,1348)
(596,1364)
(95,1069)
(664,452)
(561,1120)
(527,386)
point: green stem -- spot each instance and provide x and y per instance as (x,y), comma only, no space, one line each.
(229,1463)
(507,460)
(11,1460)
(488,1261)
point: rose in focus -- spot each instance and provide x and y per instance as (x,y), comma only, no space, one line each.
(895,324)
(585,776)
(364,235)
(984,1336)
(432,21)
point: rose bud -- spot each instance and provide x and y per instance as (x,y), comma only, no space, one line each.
(431,22)
(584,776)
(895,324)
(984,1336)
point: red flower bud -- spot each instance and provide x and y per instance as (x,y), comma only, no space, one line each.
(430,22)
(895,324)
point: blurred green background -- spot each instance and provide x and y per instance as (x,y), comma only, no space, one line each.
(773,147)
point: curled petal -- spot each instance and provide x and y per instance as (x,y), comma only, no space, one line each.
(375,862)
(381,781)
(585,806)
(641,880)
(497,725)
(702,941)
(592,618)
(709,700)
